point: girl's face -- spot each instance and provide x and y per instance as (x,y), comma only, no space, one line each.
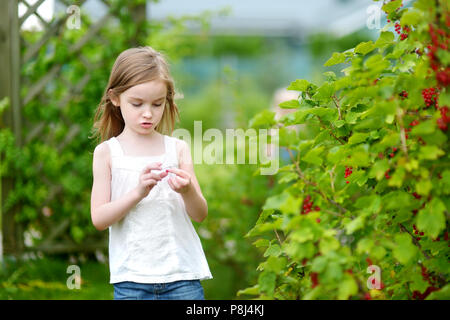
(143,103)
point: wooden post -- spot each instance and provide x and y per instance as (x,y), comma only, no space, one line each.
(10,87)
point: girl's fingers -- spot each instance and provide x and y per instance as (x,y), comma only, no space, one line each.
(150,182)
(171,184)
(175,183)
(180,173)
(152,166)
(163,174)
(153,175)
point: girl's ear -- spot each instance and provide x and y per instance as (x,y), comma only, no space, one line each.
(114,99)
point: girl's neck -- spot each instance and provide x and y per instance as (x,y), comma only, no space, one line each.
(140,139)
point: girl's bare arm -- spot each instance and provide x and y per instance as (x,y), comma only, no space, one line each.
(104,212)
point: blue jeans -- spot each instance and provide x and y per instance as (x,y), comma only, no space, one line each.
(177,290)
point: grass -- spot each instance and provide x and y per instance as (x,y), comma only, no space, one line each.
(46,279)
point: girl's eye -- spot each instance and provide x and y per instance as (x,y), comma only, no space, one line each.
(158,105)
(136,105)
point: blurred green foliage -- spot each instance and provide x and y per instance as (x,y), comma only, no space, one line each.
(53,164)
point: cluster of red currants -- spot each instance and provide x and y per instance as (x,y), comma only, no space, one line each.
(386,174)
(403,94)
(439,39)
(348,172)
(392,154)
(307,205)
(398,29)
(444,119)
(416,231)
(432,280)
(430,96)
(412,124)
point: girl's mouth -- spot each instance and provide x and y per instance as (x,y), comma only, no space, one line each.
(146,124)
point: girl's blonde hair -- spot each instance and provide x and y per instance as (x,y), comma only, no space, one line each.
(132,67)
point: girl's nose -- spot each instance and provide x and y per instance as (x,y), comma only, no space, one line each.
(147,113)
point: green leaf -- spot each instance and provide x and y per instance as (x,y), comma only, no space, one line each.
(273,250)
(339,123)
(299,85)
(297,117)
(266,281)
(397,200)
(371,203)
(365,245)
(328,244)
(284,202)
(431,219)
(430,152)
(276,201)
(359,157)
(355,224)
(443,294)
(445,181)
(265,118)
(330,76)
(347,287)
(302,235)
(319,264)
(326,114)
(423,187)
(336,58)
(291,104)
(261,243)
(411,18)
(358,137)
(365,47)
(377,63)
(299,251)
(418,283)
(385,38)
(397,178)
(249,291)
(324,92)
(275,264)
(314,156)
(378,252)
(404,250)
(391,6)
(424,128)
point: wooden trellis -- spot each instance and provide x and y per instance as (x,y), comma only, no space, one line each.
(13,60)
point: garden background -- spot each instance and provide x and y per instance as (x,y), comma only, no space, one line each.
(232,65)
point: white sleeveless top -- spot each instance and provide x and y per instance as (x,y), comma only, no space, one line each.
(156,241)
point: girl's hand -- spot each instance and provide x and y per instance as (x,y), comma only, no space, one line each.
(181,182)
(148,179)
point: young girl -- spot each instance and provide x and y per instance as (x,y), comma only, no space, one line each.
(144,186)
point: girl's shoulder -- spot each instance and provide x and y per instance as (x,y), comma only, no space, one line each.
(182,148)
(102,152)
(180,144)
